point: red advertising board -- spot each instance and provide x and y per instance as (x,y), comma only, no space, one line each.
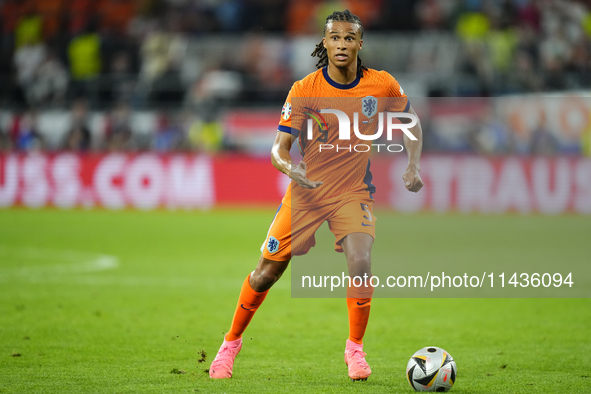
(178,181)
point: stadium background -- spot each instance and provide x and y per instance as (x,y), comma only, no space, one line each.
(186,90)
(166,105)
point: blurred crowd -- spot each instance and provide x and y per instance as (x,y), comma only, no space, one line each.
(524,45)
(116,130)
(122,55)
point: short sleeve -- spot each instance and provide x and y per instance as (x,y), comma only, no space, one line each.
(290,122)
(399,100)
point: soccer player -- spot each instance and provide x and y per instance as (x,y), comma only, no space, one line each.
(326,186)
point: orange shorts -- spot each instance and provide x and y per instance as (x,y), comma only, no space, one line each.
(292,231)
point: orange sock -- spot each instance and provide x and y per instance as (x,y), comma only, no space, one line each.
(358,304)
(358,317)
(248,303)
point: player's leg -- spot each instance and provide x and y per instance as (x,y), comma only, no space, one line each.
(357,248)
(353,225)
(272,263)
(253,293)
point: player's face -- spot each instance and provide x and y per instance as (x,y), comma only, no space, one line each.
(342,42)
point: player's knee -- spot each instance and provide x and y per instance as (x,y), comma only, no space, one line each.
(359,263)
(263,279)
(360,258)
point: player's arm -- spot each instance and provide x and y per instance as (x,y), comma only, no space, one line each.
(412,178)
(281,160)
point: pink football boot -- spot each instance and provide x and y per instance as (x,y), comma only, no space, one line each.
(221,367)
(355,360)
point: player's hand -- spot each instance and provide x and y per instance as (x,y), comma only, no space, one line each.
(412,178)
(298,174)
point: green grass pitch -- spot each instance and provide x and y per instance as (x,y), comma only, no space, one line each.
(114,302)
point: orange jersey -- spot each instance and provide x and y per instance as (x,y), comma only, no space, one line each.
(344,169)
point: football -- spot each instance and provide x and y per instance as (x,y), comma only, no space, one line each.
(431,369)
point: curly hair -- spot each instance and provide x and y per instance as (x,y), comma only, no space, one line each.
(320,51)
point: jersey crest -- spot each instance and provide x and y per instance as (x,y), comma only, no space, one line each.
(273,245)
(369,106)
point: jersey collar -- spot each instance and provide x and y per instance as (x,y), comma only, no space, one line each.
(339,85)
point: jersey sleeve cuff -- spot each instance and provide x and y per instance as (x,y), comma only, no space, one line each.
(407,108)
(288,130)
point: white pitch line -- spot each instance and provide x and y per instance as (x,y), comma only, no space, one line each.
(80,265)
(143,281)
(79,262)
